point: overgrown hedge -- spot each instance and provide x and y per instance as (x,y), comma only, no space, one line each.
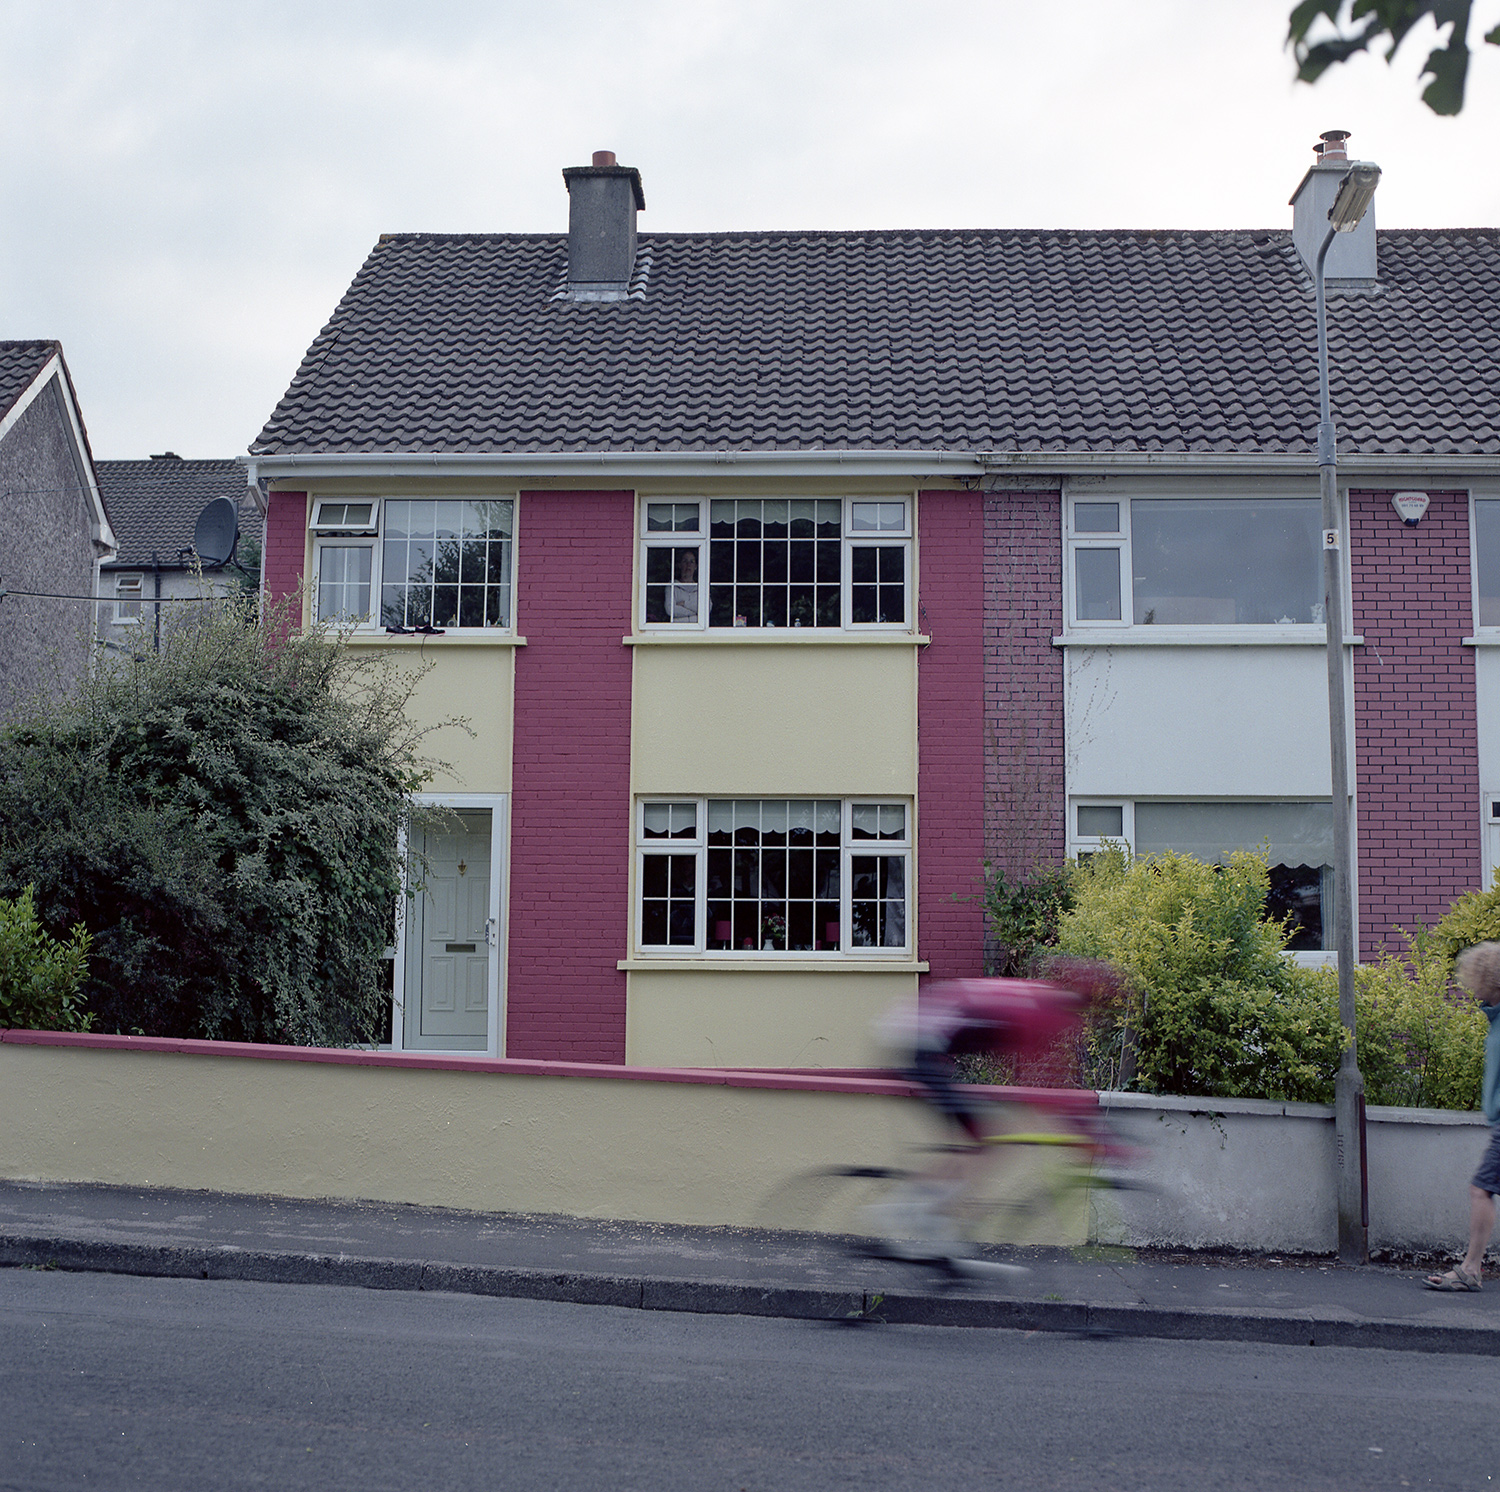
(1214,1007)
(223,819)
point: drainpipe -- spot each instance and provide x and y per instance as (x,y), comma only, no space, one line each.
(156,574)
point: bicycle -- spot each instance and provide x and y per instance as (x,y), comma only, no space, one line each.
(1041,1197)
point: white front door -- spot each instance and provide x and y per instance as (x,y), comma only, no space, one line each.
(448,937)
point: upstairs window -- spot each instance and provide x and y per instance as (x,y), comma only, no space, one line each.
(829,563)
(773,875)
(1195,562)
(1487,561)
(128,598)
(414,564)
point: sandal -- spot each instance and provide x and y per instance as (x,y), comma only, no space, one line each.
(1457,1278)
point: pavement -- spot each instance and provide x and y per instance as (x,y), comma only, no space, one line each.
(1101,1292)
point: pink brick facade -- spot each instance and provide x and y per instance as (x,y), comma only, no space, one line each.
(1416,753)
(950,733)
(285,543)
(570,804)
(1024,785)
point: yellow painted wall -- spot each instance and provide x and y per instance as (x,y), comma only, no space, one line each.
(703,1017)
(473,681)
(755,721)
(590,1147)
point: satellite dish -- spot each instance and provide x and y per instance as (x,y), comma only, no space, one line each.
(216,532)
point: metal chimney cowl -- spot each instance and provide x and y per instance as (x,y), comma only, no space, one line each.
(603,199)
(1351,258)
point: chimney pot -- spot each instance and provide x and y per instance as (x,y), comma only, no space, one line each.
(604,157)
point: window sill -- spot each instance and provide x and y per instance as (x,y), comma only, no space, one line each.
(1483,640)
(700,963)
(1311,636)
(739,637)
(426,639)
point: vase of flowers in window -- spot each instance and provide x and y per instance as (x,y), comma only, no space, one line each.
(773,933)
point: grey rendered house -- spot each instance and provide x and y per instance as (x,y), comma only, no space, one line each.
(54,528)
(154,575)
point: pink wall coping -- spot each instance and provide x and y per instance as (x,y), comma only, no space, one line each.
(806,1080)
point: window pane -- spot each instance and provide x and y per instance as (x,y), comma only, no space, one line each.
(877,901)
(672,584)
(1107,823)
(1297,839)
(446,563)
(668,518)
(344,582)
(774,890)
(1226,560)
(878,518)
(668,905)
(1096,518)
(767,566)
(1097,584)
(1487,560)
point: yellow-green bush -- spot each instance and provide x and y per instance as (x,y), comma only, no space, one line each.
(1216,1008)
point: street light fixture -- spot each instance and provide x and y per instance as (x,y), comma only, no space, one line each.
(1355,193)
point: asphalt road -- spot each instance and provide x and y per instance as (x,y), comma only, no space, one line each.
(118,1382)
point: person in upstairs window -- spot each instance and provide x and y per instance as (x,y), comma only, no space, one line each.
(1478,971)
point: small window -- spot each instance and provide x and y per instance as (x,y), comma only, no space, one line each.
(128,598)
(1101,822)
(344,582)
(344,517)
(773,875)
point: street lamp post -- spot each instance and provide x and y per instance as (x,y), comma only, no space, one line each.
(1355,193)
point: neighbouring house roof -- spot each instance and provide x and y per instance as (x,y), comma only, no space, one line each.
(154,505)
(20,362)
(992,340)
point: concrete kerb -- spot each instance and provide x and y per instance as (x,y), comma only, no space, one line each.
(1295,1327)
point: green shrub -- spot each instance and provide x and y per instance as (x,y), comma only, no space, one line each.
(39,975)
(224,818)
(1421,1043)
(1214,1007)
(1023,913)
(1473,918)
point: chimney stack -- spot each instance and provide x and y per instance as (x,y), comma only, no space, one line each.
(1352,255)
(603,199)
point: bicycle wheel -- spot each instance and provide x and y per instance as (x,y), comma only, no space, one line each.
(834,1199)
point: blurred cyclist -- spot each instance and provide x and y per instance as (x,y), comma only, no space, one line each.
(1020,1019)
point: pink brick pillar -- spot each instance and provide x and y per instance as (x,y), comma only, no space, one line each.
(1025,787)
(1416,752)
(950,733)
(570,803)
(285,546)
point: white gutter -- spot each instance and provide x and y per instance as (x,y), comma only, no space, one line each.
(371,465)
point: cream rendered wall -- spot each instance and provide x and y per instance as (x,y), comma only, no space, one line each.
(468,681)
(1197,721)
(781,720)
(772,1018)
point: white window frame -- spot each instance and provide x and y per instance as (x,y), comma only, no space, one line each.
(903,538)
(1490,841)
(1475,498)
(129,591)
(1124,493)
(849,848)
(342,535)
(499,806)
(1081,846)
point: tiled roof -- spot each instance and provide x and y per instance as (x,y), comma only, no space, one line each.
(155,505)
(987,340)
(20,362)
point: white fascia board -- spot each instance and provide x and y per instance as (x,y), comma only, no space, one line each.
(291,468)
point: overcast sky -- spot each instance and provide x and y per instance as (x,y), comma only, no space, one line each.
(186,189)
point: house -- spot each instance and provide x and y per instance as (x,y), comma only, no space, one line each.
(157,573)
(54,530)
(787,577)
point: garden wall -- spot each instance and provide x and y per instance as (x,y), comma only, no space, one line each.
(683,1146)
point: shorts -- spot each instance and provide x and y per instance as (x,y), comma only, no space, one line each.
(934,1071)
(1487,1177)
